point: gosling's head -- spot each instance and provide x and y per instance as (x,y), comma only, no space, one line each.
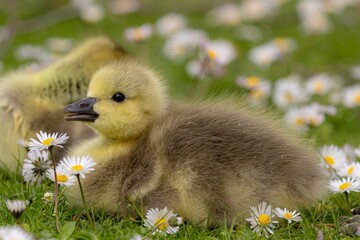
(123,99)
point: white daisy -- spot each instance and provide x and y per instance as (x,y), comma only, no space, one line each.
(14,233)
(333,156)
(319,84)
(227,14)
(219,51)
(48,197)
(264,55)
(324,109)
(357,152)
(316,23)
(183,43)
(349,170)
(310,115)
(48,141)
(259,89)
(16,207)
(261,92)
(32,52)
(289,92)
(202,68)
(136,237)
(255,10)
(35,166)
(22,142)
(195,68)
(295,117)
(350,152)
(288,215)
(250,82)
(170,23)
(334,6)
(63,177)
(313,116)
(62,45)
(351,96)
(355,72)
(78,165)
(313,16)
(163,221)
(138,34)
(261,219)
(122,7)
(89,10)
(345,185)
(284,45)
(93,13)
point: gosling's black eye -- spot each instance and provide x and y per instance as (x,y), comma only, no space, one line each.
(118,97)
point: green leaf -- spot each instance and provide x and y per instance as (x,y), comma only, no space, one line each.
(67,230)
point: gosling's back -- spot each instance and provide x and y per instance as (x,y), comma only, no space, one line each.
(235,158)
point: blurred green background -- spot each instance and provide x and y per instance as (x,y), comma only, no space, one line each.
(335,52)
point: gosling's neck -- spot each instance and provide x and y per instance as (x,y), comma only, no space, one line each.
(104,150)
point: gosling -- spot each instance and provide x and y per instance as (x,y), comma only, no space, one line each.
(207,161)
(30,102)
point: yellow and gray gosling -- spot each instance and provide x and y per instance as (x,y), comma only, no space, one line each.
(206,160)
(30,102)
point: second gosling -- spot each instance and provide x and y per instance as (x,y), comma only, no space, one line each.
(208,161)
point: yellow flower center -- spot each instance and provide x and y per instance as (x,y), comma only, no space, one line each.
(344,186)
(62,178)
(312,121)
(330,160)
(289,97)
(138,34)
(252,81)
(211,53)
(288,215)
(257,94)
(264,219)
(77,168)
(48,198)
(232,20)
(318,86)
(161,224)
(357,98)
(178,49)
(282,43)
(299,121)
(48,141)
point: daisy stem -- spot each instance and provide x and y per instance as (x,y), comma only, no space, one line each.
(83,199)
(56,193)
(289,231)
(347,200)
(140,213)
(18,221)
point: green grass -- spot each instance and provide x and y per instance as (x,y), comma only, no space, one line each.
(38,219)
(333,53)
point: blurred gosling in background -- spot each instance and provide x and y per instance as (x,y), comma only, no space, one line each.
(30,102)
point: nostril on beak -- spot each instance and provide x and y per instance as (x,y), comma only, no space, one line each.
(83,105)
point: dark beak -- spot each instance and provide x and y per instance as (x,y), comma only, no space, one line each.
(81,110)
